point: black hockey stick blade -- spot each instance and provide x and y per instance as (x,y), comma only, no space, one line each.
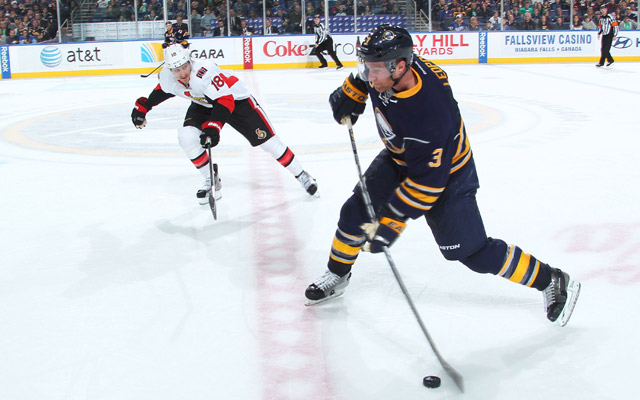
(151,73)
(212,204)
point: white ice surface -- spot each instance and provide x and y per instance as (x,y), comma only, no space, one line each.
(115,284)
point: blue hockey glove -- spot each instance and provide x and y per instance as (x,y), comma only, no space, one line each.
(349,100)
(383,232)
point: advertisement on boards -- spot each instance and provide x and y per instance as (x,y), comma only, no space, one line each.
(456,47)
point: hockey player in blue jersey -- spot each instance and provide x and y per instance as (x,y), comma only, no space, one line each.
(425,170)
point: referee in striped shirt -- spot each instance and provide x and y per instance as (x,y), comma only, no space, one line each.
(323,42)
(608,28)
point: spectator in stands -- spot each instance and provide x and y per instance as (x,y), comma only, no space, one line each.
(206,22)
(285,19)
(244,29)
(545,24)
(142,9)
(180,25)
(484,10)
(221,29)
(126,12)
(12,37)
(308,9)
(560,25)
(102,4)
(489,26)
(235,22)
(25,37)
(557,5)
(576,24)
(269,28)
(113,11)
(496,20)
(627,24)
(155,6)
(511,24)
(587,24)
(458,24)
(320,8)
(196,20)
(473,24)
(596,17)
(526,9)
(295,20)
(446,14)
(527,23)
(152,16)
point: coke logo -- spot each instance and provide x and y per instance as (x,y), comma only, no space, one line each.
(273,49)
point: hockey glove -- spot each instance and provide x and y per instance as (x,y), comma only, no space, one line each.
(383,232)
(349,100)
(210,134)
(139,113)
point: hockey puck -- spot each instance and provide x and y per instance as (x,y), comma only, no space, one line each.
(431,381)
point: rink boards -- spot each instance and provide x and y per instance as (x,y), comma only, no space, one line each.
(271,52)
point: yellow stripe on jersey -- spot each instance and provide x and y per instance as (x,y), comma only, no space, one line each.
(463,151)
(521,268)
(345,248)
(399,162)
(411,202)
(420,195)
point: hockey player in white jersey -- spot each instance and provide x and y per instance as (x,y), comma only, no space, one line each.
(217,97)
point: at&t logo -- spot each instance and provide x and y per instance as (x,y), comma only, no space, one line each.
(51,56)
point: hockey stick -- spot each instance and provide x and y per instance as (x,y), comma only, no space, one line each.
(457,378)
(212,199)
(154,70)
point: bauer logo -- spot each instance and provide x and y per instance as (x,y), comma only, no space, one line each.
(5,62)
(151,52)
(51,56)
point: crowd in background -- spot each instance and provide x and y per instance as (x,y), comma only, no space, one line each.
(35,21)
(30,21)
(475,15)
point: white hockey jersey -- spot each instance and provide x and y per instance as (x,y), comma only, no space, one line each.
(206,79)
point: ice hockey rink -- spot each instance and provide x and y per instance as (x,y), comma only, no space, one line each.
(115,284)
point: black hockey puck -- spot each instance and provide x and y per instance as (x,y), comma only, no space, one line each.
(431,381)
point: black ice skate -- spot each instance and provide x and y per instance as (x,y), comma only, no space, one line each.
(326,287)
(560,297)
(308,183)
(206,187)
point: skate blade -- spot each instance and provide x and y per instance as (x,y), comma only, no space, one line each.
(573,291)
(310,302)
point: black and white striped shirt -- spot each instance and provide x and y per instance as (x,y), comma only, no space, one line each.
(321,33)
(607,25)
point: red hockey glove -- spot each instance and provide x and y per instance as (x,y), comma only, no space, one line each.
(139,113)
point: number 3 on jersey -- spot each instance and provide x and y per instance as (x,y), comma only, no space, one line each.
(437,158)
(219,81)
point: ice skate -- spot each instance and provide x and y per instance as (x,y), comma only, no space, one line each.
(560,297)
(308,183)
(326,287)
(203,193)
